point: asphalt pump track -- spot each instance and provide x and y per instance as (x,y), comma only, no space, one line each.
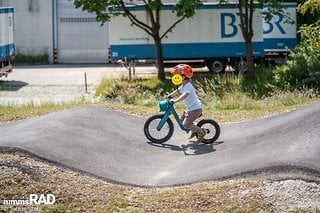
(111,145)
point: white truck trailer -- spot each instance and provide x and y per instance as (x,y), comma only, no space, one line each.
(279,35)
(213,35)
(7,47)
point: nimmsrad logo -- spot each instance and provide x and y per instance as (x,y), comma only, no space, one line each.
(34,199)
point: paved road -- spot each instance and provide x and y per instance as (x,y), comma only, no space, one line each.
(60,83)
(111,145)
(69,74)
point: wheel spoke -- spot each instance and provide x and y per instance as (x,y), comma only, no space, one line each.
(213,130)
(155,135)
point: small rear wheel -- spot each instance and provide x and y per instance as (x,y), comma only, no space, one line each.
(213,130)
(155,135)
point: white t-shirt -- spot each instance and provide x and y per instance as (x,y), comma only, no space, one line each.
(192,101)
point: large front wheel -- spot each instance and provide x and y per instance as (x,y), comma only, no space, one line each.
(213,130)
(155,135)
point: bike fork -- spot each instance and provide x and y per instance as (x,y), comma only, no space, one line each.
(163,120)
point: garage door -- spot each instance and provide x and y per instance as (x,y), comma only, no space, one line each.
(80,38)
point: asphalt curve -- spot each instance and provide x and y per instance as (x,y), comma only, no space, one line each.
(111,145)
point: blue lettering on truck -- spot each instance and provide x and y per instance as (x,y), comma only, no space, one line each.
(275,23)
(276,35)
(228,21)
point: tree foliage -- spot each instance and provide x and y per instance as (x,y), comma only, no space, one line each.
(246,11)
(310,30)
(105,10)
(302,70)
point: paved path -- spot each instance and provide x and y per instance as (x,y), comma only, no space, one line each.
(60,83)
(111,145)
(70,74)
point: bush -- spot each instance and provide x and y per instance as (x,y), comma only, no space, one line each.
(133,91)
(220,86)
(262,86)
(108,88)
(216,92)
(31,59)
(302,70)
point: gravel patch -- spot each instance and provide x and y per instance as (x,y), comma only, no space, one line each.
(37,95)
(21,175)
(293,195)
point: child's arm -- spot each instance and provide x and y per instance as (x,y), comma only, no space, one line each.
(174,93)
(181,97)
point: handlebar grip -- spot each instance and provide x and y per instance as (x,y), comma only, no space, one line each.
(169,96)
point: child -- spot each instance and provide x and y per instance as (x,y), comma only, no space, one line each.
(188,94)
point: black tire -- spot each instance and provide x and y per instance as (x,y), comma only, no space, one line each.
(154,135)
(242,67)
(213,129)
(216,65)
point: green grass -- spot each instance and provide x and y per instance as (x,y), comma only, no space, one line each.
(12,113)
(31,59)
(226,100)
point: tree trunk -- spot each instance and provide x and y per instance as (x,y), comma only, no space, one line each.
(160,63)
(249,60)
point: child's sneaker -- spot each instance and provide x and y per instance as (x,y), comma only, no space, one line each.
(192,135)
(201,135)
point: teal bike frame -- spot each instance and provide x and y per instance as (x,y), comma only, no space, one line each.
(170,110)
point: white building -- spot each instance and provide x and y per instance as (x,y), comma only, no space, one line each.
(56,28)
(46,27)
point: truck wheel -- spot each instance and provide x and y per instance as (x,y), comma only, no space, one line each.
(216,65)
(242,66)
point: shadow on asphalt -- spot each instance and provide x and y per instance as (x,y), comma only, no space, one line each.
(190,148)
(285,146)
(12,85)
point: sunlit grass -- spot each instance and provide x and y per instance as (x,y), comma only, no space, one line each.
(225,99)
(12,112)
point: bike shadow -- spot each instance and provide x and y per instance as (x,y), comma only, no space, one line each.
(199,149)
(12,85)
(189,148)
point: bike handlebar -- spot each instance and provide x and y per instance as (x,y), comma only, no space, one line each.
(169,99)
